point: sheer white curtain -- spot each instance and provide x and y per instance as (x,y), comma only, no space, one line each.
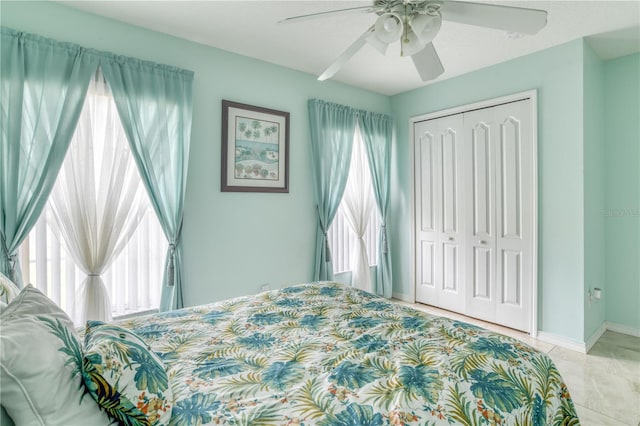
(357,204)
(94,207)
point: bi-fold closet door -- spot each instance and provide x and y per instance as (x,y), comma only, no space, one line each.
(439,216)
(473,197)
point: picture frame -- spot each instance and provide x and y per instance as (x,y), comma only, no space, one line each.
(255,149)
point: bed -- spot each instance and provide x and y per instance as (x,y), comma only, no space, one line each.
(329,354)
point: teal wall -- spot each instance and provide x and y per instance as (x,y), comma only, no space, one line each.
(594,182)
(233,242)
(622,184)
(557,75)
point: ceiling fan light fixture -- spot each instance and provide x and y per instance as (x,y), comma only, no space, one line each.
(411,43)
(426,26)
(388,27)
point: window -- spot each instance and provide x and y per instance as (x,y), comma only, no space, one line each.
(342,238)
(133,278)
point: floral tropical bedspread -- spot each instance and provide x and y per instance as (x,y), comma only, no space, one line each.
(327,354)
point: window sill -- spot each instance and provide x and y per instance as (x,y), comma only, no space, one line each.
(133,314)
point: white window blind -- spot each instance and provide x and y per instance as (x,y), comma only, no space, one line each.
(134,279)
(342,241)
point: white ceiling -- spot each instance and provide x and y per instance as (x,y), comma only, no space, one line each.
(250,28)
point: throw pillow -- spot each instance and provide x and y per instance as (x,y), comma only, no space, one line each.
(125,377)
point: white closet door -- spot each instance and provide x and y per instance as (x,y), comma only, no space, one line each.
(514,215)
(474,219)
(480,240)
(498,244)
(438,213)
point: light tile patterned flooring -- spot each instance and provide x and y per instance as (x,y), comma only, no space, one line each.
(604,384)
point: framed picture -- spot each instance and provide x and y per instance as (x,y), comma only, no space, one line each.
(255,149)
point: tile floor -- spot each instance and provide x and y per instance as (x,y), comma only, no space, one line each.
(604,384)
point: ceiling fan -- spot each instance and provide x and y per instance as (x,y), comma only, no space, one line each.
(415,23)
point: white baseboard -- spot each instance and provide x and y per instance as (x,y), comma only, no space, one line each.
(404,297)
(564,342)
(585,347)
(595,336)
(624,329)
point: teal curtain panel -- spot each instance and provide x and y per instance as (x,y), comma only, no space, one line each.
(332,129)
(154,103)
(377,130)
(43,86)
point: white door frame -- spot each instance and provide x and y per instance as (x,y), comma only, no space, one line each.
(529,94)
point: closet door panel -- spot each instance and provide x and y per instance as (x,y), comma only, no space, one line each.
(450,268)
(482,273)
(438,164)
(427,204)
(481,181)
(514,215)
(427,264)
(449,149)
(510,178)
(480,241)
(511,278)
(427,187)
(453,288)
(450,236)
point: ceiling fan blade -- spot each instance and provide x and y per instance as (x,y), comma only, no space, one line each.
(346,55)
(428,63)
(507,18)
(323,14)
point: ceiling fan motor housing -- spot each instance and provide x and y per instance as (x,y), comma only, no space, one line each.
(408,8)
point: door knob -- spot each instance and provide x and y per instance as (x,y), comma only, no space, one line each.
(450,238)
(482,242)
